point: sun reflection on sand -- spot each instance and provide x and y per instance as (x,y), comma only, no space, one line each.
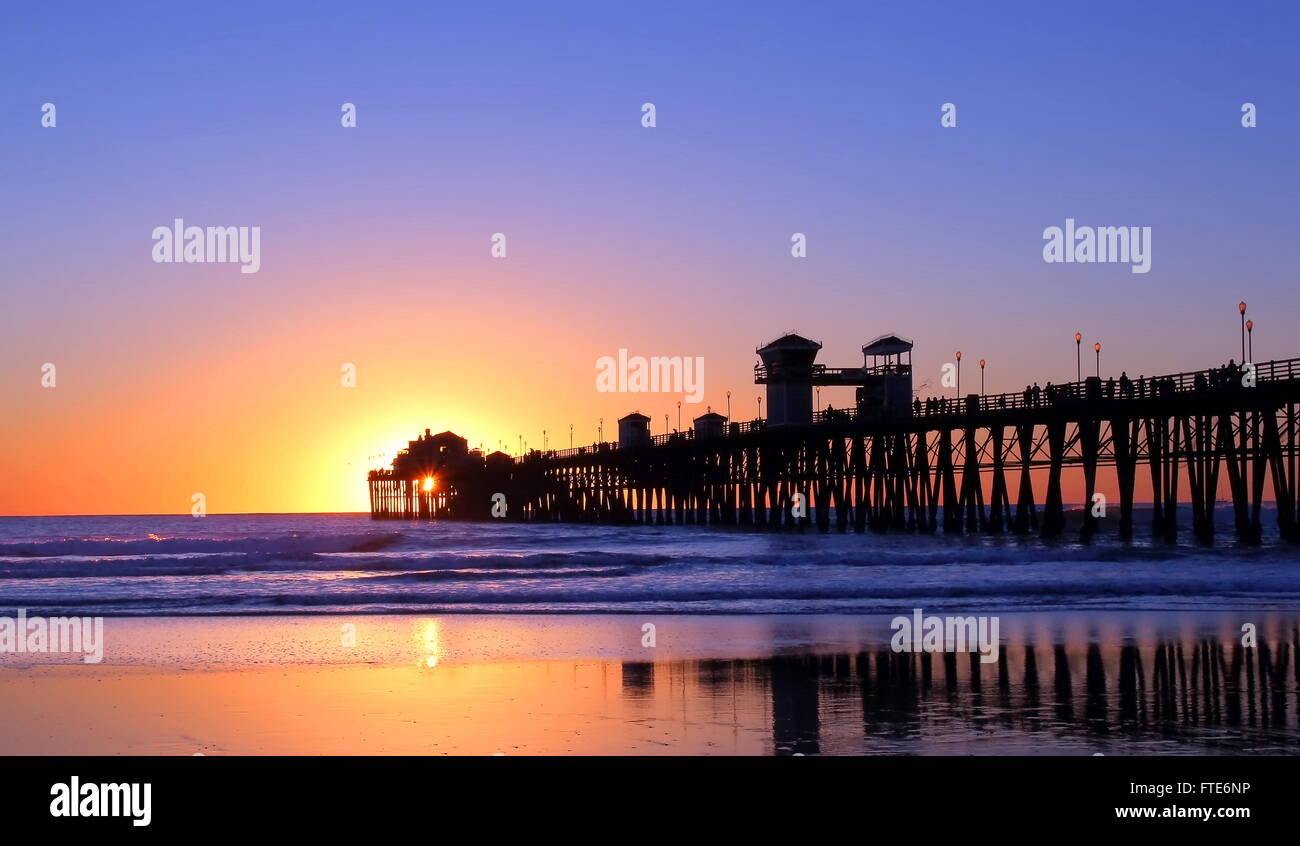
(430,642)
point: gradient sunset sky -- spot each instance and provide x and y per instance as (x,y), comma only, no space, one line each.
(525,119)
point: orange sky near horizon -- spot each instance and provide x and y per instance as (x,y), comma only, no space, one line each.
(267,426)
(250,410)
(240,397)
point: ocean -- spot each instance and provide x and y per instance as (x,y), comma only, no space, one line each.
(289,564)
(333,633)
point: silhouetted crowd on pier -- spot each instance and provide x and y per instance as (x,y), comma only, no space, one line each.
(1034,396)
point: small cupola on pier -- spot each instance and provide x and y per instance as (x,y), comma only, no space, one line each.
(710,425)
(633,430)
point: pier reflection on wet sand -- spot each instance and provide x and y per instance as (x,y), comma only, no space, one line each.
(1202,695)
(1062,683)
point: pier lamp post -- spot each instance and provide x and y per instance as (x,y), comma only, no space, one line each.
(546,444)
(982,363)
(819,398)
(728,408)
(1078,356)
(1250,340)
(570,436)
(1241,308)
(1097,348)
(679,415)
(958,372)
(760,408)
(521,444)
(600,431)
(665,424)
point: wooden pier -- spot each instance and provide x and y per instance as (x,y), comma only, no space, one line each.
(973,464)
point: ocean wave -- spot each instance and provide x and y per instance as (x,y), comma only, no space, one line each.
(290,564)
(275,546)
(280,557)
(602,587)
(220,563)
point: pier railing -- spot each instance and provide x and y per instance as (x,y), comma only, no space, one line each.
(1093,388)
(1045,397)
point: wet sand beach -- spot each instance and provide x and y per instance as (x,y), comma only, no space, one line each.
(1064,683)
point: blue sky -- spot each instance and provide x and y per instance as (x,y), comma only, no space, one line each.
(525,118)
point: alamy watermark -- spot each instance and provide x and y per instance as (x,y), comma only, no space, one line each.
(198,245)
(655,375)
(74,798)
(43,635)
(946,634)
(1106,244)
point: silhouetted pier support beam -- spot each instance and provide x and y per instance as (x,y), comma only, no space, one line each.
(924,482)
(951,505)
(972,487)
(1284,478)
(1236,462)
(1124,442)
(1202,473)
(840,484)
(1089,434)
(1054,505)
(1260,465)
(1026,510)
(1000,499)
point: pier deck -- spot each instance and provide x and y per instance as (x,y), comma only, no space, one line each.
(969,464)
